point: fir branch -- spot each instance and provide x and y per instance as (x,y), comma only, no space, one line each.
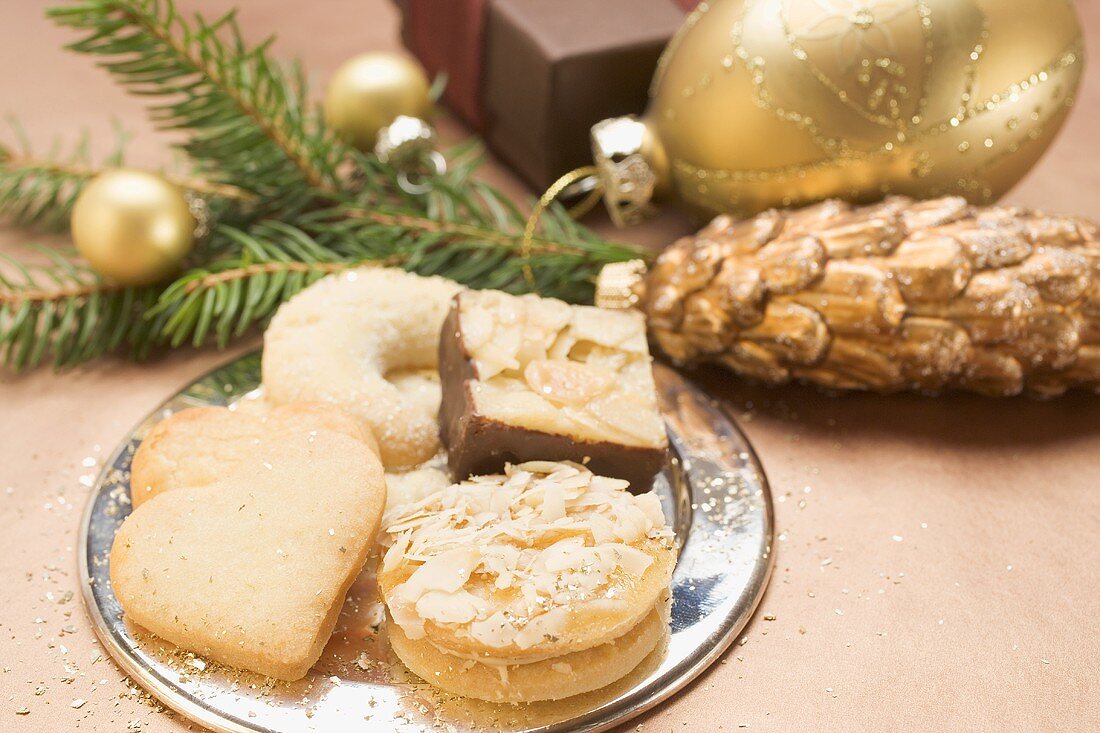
(248,121)
(480,255)
(39,192)
(221,301)
(249,128)
(465,230)
(64,312)
(271,261)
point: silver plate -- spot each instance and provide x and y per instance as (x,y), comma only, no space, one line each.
(714,490)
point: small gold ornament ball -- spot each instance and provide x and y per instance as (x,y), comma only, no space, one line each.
(132,226)
(369,91)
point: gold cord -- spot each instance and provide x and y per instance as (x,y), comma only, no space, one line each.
(544,202)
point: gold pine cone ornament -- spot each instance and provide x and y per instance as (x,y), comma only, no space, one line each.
(769,103)
(930,296)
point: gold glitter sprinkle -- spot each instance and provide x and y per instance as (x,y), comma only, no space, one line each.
(78,703)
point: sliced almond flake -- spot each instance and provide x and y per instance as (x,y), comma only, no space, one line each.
(561,538)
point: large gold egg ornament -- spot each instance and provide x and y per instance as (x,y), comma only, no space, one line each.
(762,103)
(132,226)
(370,91)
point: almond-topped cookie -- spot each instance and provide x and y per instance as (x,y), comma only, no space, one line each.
(550,679)
(544,560)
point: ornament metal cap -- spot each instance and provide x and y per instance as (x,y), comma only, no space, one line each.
(627,179)
(619,284)
(407,143)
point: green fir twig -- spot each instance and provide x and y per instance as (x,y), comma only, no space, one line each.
(38,191)
(64,313)
(247,120)
(293,204)
(222,300)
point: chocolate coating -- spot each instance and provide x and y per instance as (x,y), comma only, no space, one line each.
(478,445)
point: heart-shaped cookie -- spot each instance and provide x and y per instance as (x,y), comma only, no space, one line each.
(245,558)
(196,447)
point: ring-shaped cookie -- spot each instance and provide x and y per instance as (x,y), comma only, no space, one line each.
(357,340)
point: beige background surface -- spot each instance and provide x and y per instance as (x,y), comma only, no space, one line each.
(938,558)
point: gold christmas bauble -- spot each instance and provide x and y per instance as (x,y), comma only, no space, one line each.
(762,103)
(132,226)
(370,91)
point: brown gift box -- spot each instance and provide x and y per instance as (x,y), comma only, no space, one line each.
(534,76)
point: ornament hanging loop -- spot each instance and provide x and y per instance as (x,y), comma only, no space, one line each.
(590,175)
(423,186)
